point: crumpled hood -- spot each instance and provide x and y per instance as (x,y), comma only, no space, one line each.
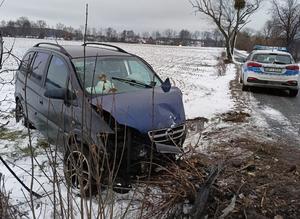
(145,110)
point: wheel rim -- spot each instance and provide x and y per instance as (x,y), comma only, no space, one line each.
(19,111)
(78,171)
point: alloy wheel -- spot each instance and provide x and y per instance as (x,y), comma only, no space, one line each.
(78,171)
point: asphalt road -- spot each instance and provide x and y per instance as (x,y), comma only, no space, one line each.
(289,107)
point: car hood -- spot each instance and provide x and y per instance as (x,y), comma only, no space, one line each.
(145,110)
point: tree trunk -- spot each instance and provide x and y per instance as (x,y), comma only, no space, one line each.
(228,50)
(233,41)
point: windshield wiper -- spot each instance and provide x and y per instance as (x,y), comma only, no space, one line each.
(133,82)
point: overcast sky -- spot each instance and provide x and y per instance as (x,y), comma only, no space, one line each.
(138,15)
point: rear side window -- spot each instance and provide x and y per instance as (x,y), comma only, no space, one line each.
(57,73)
(39,65)
(25,64)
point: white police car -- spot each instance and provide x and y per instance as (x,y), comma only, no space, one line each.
(271,67)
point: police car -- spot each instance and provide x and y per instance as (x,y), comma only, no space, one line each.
(271,67)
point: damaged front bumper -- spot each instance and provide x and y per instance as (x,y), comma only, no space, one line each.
(168,140)
(167,149)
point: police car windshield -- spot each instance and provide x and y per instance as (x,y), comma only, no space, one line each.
(273,59)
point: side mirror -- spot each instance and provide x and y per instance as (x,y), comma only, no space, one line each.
(56,93)
(166,85)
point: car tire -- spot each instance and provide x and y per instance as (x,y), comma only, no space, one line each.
(78,171)
(293,93)
(20,115)
(241,79)
(245,88)
(88,181)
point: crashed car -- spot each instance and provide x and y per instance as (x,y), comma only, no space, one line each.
(107,108)
(271,67)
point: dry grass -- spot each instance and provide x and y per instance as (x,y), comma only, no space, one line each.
(235,117)
(174,185)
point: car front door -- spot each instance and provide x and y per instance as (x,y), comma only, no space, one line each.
(55,111)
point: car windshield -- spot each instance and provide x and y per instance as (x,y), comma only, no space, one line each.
(273,58)
(104,75)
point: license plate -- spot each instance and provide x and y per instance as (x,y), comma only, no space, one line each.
(276,70)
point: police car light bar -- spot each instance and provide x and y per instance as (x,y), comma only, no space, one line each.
(276,48)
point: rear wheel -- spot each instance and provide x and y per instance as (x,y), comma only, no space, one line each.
(19,111)
(20,115)
(241,79)
(245,88)
(293,93)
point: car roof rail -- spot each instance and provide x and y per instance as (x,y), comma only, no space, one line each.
(107,45)
(61,49)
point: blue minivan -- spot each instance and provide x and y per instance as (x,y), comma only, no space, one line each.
(107,109)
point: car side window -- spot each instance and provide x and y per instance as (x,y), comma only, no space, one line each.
(39,65)
(26,61)
(57,73)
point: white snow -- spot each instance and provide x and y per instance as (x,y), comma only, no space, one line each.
(194,71)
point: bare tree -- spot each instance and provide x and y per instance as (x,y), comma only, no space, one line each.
(169,33)
(267,31)
(230,16)
(60,26)
(2,2)
(156,35)
(25,25)
(3,23)
(145,34)
(286,18)
(217,37)
(196,35)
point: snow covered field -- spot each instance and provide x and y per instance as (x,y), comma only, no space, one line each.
(193,70)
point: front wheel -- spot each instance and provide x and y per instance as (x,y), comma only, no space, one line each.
(78,171)
(293,93)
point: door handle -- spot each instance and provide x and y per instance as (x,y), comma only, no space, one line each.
(41,102)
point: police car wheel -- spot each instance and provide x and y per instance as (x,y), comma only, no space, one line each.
(241,80)
(293,93)
(245,88)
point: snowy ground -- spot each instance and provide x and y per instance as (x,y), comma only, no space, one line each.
(193,70)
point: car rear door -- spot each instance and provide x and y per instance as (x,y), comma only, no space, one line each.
(21,75)
(33,84)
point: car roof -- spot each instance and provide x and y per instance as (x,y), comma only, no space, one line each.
(276,52)
(77,51)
